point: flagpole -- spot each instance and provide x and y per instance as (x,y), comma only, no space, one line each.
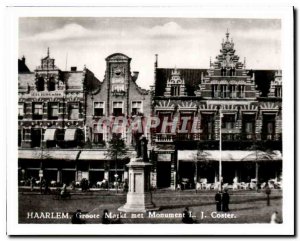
(220,145)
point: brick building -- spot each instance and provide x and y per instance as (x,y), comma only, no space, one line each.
(243,105)
(52,112)
(58,116)
(118,95)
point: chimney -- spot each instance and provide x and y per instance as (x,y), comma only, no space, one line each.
(156,61)
(23,59)
(135,76)
(73,68)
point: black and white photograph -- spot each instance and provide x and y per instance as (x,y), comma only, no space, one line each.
(183,121)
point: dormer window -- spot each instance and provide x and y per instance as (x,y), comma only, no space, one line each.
(175,85)
(40,84)
(51,84)
(175,90)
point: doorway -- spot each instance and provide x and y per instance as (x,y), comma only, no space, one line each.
(163,174)
(36,136)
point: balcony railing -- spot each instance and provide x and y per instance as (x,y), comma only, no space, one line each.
(164,137)
(268,136)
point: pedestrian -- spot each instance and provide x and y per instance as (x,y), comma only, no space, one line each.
(187,216)
(274,217)
(268,193)
(76,218)
(218,199)
(63,191)
(32,183)
(105,217)
(225,201)
(47,189)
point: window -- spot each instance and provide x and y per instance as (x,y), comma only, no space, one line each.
(53,111)
(37,111)
(21,110)
(268,127)
(98,108)
(40,84)
(228,121)
(51,84)
(214,89)
(19,137)
(118,87)
(175,90)
(73,111)
(98,138)
(117,108)
(232,89)
(223,91)
(136,107)
(241,89)
(207,125)
(278,91)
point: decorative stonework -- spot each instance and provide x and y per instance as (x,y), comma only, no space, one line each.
(175,85)
(165,106)
(187,106)
(276,85)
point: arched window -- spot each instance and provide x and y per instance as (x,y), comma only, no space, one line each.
(40,84)
(51,84)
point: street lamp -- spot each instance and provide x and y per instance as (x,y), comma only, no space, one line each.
(220,145)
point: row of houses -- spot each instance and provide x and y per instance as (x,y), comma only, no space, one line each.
(227,106)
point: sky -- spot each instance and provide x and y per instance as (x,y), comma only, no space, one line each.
(179,42)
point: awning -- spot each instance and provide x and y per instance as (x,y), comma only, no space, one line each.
(49,154)
(50,134)
(93,155)
(70,134)
(229,156)
(164,157)
(98,155)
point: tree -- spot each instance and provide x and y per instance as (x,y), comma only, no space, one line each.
(261,153)
(116,149)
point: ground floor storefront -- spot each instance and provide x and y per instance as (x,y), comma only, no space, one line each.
(70,167)
(187,168)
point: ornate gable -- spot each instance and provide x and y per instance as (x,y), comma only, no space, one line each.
(175,85)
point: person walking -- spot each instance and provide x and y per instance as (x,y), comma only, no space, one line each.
(76,218)
(268,193)
(225,201)
(187,216)
(218,200)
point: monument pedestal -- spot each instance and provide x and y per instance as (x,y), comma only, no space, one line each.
(139,198)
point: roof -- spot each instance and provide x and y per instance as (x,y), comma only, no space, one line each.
(192,78)
(26,79)
(263,80)
(73,78)
(117,56)
(22,67)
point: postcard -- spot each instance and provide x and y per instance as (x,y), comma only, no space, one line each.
(150,120)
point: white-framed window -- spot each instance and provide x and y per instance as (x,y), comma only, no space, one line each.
(53,110)
(136,107)
(73,111)
(117,108)
(37,111)
(278,91)
(99,108)
(118,87)
(21,110)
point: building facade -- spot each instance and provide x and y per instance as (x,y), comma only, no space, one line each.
(52,111)
(227,112)
(118,100)
(59,113)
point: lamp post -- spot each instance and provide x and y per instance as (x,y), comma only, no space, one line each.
(220,145)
